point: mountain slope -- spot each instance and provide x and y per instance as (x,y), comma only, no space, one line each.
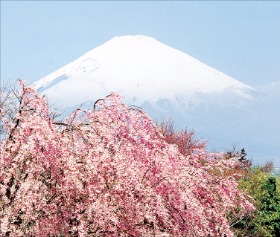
(143,70)
(167,83)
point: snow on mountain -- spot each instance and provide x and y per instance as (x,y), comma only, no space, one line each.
(167,83)
(143,70)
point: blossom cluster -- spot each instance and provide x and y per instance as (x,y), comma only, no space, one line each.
(109,172)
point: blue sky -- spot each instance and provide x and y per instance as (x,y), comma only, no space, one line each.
(241,39)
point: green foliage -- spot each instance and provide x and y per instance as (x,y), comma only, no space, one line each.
(264,188)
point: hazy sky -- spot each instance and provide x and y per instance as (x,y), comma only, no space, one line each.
(241,39)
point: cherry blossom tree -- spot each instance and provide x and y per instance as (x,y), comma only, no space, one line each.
(109,172)
(184,139)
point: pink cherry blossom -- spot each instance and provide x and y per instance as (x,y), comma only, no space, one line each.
(109,172)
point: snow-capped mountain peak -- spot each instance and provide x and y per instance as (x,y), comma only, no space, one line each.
(142,70)
(169,83)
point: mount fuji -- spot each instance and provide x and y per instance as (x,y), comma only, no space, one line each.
(164,81)
(143,70)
